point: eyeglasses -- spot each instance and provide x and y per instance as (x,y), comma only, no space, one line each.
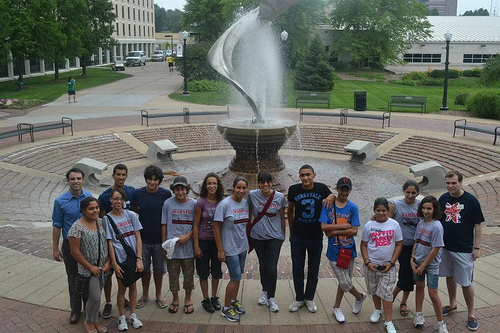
(117,199)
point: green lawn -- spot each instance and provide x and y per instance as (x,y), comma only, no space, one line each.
(47,89)
(342,96)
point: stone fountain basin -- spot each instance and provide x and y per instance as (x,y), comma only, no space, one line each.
(244,131)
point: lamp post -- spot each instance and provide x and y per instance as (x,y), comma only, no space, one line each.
(185,36)
(171,43)
(284,37)
(447,38)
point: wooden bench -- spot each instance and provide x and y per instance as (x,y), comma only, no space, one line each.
(316,113)
(386,115)
(432,173)
(146,115)
(493,131)
(65,122)
(161,151)
(90,168)
(17,132)
(408,102)
(361,151)
(313,98)
(188,113)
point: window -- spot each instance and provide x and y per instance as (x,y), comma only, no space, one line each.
(422,57)
(117,27)
(129,29)
(133,12)
(116,9)
(123,29)
(477,58)
(35,65)
(134,31)
(123,12)
(128,9)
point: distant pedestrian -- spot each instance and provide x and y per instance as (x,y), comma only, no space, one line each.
(170,60)
(71,89)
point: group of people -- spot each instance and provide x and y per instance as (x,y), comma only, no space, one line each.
(176,233)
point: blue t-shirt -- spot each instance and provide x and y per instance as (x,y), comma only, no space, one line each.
(347,214)
(67,210)
(105,203)
(149,208)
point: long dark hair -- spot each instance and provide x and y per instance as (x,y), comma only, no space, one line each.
(219,194)
(437,213)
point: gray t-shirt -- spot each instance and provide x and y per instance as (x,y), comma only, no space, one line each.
(179,217)
(269,227)
(406,215)
(127,225)
(234,217)
(428,235)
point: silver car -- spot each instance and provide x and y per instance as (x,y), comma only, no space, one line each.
(136,58)
(158,55)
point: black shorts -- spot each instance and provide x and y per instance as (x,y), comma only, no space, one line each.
(209,263)
(71,92)
(170,64)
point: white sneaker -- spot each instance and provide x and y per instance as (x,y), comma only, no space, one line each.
(418,320)
(375,317)
(263,298)
(296,306)
(441,327)
(273,306)
(358,304)
(122,324)
(339,316)
(389,327)
(134,321)
(311,306)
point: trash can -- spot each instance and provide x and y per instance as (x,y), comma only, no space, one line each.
(360,100)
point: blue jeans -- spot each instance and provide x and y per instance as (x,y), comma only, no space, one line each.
(299,247)
(268,252)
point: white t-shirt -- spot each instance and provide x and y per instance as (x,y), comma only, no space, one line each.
(234,217)
(381,238)
(179,217)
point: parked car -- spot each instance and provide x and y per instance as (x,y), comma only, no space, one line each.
(158,55)
(118,64)
(136,58)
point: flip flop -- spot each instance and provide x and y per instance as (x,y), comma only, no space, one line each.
(161,303)
(173,308)
(403,309)
(448,309)
(186,308)
(141,302)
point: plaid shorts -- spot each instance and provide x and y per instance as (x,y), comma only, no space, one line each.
(380,284)
(344,275)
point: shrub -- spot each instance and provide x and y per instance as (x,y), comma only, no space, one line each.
(314,73)
(404,82)
(453,73)
(461,98)
(490,77)
(437,74)
(415,76)
(485,103)
(431,82)
(207,85)
(476,72)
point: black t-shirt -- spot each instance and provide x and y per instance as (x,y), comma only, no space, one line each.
(460,215)
(150,205)
(308,204)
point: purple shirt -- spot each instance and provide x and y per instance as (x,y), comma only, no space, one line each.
(205,231)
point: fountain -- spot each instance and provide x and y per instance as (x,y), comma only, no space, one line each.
(257,140)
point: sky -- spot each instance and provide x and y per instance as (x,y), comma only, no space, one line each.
(463,5)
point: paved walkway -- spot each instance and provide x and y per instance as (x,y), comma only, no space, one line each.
(107,129)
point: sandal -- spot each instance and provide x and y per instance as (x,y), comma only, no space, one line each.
(161,303)
(173,308)
(141,302)
(403,309)
(188,308)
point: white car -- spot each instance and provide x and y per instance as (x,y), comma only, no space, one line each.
(136,58)
(158,55)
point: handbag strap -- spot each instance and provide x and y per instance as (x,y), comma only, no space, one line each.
(264,210)
(119,236)
(99,239)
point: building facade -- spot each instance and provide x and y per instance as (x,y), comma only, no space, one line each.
(444,7)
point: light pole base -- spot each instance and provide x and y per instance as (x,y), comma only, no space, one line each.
(443,108)
(186,93)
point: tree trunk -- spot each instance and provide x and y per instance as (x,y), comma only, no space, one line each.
(56,71)
(84,69)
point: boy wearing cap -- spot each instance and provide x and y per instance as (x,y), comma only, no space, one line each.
(340,224)
(177,222)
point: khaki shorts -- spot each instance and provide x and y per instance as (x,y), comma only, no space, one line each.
(458,265)
(380,284)
(174,271)
(344,275)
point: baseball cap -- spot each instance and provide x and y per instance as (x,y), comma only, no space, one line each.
(180,180)
(344,182)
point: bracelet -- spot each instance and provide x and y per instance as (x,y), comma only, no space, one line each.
(367,263)
(139,258)
(476,248)
(392,264)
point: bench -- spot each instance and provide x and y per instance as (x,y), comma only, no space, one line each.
(187,113)
(409,102)
(90,168)
(316,113)
(361,151)
(146,115)
(313,98)
(17,132)
(65,122)
(386,115)
(161,151)
(462,124)
(432,173)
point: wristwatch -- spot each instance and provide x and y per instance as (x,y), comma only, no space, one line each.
(392,264)
(139,258)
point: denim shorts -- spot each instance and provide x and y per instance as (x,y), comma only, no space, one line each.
(432,279)
(236,265)
(154,251)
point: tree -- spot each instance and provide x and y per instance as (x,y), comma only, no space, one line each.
(377,30)
(6,19)
(314,73)
(477,12)
(490,76)
(205,18)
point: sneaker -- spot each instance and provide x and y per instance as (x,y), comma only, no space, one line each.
(237,307)
(215,303)
(358,304)
(134,321)
(106,313)
(472,324)
(207,305)
(263,298)
(273,306)
(122,324)
(441,327)
(127,304)
(296,306)
(230,314)
(418,320)
(375,317)
(311,306)
(339,316)
(389,327)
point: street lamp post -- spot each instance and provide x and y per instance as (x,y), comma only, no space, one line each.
(284,37)
(447,38)
(185,36)
(171,43)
